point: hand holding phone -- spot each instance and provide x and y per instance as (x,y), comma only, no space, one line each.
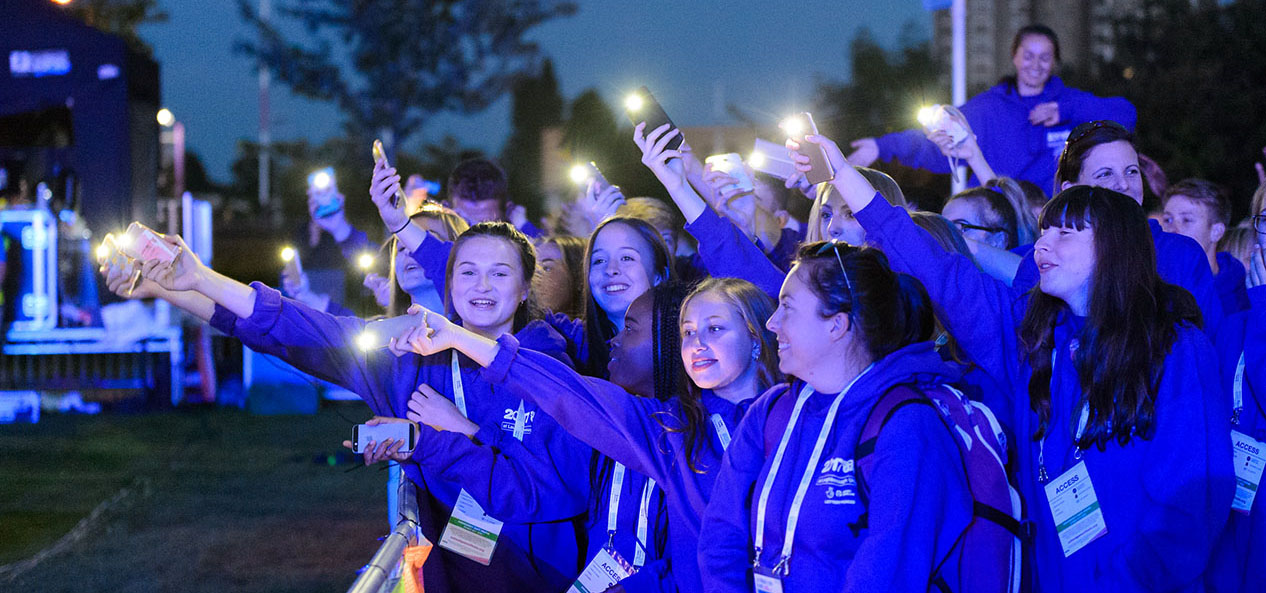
(641,106)
(797,127)
(381,430)
(732,164)
(771,159)
(321,189)
(381,155)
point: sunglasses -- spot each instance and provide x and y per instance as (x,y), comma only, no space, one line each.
(833,246)
(965,226)
(1088,127)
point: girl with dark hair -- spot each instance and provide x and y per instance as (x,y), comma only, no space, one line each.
(787,512)
(1237,560)
(560,275)
(1021,122)
(1102,154)
(1110,382)
(507,460)
(649,417)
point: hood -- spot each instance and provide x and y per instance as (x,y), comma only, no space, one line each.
(916,363)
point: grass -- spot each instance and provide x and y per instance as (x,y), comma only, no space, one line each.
(217,500)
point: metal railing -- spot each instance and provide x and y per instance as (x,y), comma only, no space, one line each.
(383,570)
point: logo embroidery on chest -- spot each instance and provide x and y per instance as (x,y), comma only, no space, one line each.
(1055,139)
(837,476)
(511,415)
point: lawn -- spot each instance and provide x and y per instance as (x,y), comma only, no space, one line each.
(188,500)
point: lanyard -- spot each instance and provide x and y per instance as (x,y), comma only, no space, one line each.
(1237,391)
(1042,476)
(459,397)
(613,512)
(723,433)
(793,515)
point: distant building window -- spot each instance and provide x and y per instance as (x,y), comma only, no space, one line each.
(37,63)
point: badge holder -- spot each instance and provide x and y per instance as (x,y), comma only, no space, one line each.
(1075,508)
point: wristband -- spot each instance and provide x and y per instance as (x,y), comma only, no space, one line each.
(402,227)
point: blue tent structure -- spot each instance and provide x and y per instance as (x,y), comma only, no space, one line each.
(77,110)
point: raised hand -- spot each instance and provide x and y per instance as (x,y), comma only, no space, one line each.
(596,205)
(183,273)
(832,150)
(665,164)
(428,407)
(383,186)
(865,152)
(380,287)
(434,333)
(121,272)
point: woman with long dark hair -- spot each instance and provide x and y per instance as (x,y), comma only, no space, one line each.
(649,418)
(1121,428)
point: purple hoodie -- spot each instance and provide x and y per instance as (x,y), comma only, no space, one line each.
(629,429)
(538,486)
(919,499)
(1164,500)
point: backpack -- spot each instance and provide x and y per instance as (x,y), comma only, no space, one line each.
(993,538)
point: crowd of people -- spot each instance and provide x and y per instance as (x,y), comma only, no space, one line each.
(705,394)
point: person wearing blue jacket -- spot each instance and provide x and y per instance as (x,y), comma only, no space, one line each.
(518,466)
(1121,423)
(678,442)
(1102,154)
(1240,556)
(786,512)
(1021,122)
(1199,209)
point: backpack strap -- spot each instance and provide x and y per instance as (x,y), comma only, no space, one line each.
(777,417)
(884,409)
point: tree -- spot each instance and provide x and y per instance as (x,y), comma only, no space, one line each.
(592,133)
(120,17)
(1197,75)
(405,59)
(537,105)
(884,94)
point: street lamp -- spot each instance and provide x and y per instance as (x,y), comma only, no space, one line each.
(175,136)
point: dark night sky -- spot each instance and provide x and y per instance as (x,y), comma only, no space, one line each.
(681,50)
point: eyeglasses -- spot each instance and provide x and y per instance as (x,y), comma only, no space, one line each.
(1089,127)
(965,226)
(1259,222)
(848,284)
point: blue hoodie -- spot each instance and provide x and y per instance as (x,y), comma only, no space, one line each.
(1179,260)
(1229,284)
(538,486)
(631,430)
(727,252)
(1014,148)
(919,499)
(1239,561)
(653,574)
(1164,500)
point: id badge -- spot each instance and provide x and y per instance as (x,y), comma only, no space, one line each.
(1250,457)
(766,581)
(470,532)
(1075,508)
(607,568)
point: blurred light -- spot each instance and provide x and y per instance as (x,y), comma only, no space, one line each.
(366,340)
(634,102)
(103,251)
(757,159)
(165,118)
(579,173)
(287,254)
(123,240)
(62,2)
(321,180)
(792,126)
(365,261)
(927,115)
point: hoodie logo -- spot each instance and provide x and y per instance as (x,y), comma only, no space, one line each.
(836,475)
(512,414)
(1055,139)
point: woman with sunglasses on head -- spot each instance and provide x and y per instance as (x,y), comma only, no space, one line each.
(1124,460)
(678,441)
(1022,121)
(1102,154)
(501,457)
(1240,555)
(799,504)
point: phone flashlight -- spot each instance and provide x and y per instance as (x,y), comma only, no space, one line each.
(793,126)
(287,254)
(322,180)
(367,341)
(927,115)
(365,261)
(634,102)
(756,160)
(579,173)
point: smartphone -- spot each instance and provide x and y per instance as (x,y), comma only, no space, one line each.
(585,172)
(731,164)
(944,118)
(141,243)
(400,431)
(641,106)
(378,333)
(290,256)
(797,127)
(771,159)
(322,181)
(381,155)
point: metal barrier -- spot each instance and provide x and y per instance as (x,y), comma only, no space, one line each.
(383,570)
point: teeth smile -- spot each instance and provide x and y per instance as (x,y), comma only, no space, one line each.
(616,287)
(482,303)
